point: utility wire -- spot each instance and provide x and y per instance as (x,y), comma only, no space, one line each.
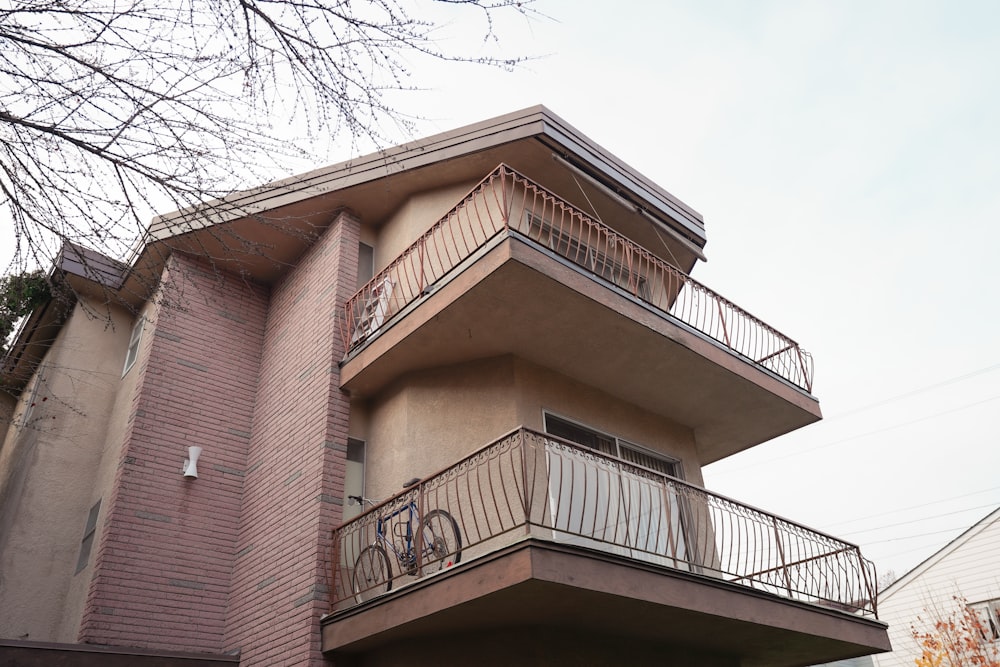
(921,519)
(800,452)
(911,507)
(915,392)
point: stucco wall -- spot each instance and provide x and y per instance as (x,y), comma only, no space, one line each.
(48,468)
(413,219)
(428,420)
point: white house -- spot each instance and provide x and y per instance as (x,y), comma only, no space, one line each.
(969,567)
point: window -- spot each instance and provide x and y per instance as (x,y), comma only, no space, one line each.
(366,263)
(87,544)
(354,477)
(588,256)
(631,509)
(989,614)
(133,345)
(607,444)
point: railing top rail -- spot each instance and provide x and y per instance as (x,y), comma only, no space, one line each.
(611,458)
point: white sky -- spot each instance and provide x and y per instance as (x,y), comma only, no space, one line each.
(844,155)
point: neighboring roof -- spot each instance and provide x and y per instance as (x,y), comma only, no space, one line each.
(84,272)
(940,555)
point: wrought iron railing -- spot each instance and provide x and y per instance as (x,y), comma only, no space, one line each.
(528,484)
(506,202)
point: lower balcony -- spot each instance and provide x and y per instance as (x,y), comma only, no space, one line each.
(536,539)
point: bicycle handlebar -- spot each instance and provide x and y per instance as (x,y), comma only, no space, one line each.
(362,500)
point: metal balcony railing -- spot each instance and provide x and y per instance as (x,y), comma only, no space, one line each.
(507,202)
(529,484)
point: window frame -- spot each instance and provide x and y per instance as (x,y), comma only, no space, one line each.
(134,340)
(89,535)
(675,464)
(586,256)
(989,614)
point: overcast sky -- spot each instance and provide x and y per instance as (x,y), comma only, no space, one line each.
(846,158)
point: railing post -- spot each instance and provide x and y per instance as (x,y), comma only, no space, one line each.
(781,556)
(806,380)
(871,587)
(334,570)
(505,197)
(420,281)
(526,502)
(722,321)
(418,536)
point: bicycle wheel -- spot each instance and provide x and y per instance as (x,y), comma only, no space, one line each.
(372,575)
(441,542)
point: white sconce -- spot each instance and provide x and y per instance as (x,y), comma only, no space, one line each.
(191,463)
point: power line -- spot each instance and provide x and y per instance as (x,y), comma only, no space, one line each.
(912,507)
(925,518)
(914,392)
(893,427)
(913,537)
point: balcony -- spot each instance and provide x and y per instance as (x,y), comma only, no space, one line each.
(513,269)
(507,202)
(449,552)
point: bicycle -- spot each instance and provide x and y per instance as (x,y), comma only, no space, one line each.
(435,543)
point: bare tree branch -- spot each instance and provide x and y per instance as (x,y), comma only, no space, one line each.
(111,110)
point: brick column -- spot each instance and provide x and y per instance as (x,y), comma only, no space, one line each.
(295,474)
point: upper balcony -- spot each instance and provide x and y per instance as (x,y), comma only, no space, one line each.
(535,531)
(514,269)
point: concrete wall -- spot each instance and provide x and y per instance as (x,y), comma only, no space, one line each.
(295,464)
(48,467)
(162,571)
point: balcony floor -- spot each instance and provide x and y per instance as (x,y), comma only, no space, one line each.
(536,585)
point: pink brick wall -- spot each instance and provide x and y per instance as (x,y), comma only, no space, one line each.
(163,568)
(295,465)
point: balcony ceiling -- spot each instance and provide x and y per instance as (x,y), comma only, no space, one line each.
(518,299)
(600,596)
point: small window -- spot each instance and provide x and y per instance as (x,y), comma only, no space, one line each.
(989,617)
(354,477)
(366,263)
(133,346)
(609,444)
(87,544)
(564,243)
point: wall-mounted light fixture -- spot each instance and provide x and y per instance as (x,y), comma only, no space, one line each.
(191,463)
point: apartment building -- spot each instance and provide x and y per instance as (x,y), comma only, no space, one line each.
(448,403)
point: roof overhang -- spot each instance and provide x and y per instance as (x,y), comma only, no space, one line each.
(262,231)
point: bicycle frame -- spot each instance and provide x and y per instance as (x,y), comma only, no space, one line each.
(407,558)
